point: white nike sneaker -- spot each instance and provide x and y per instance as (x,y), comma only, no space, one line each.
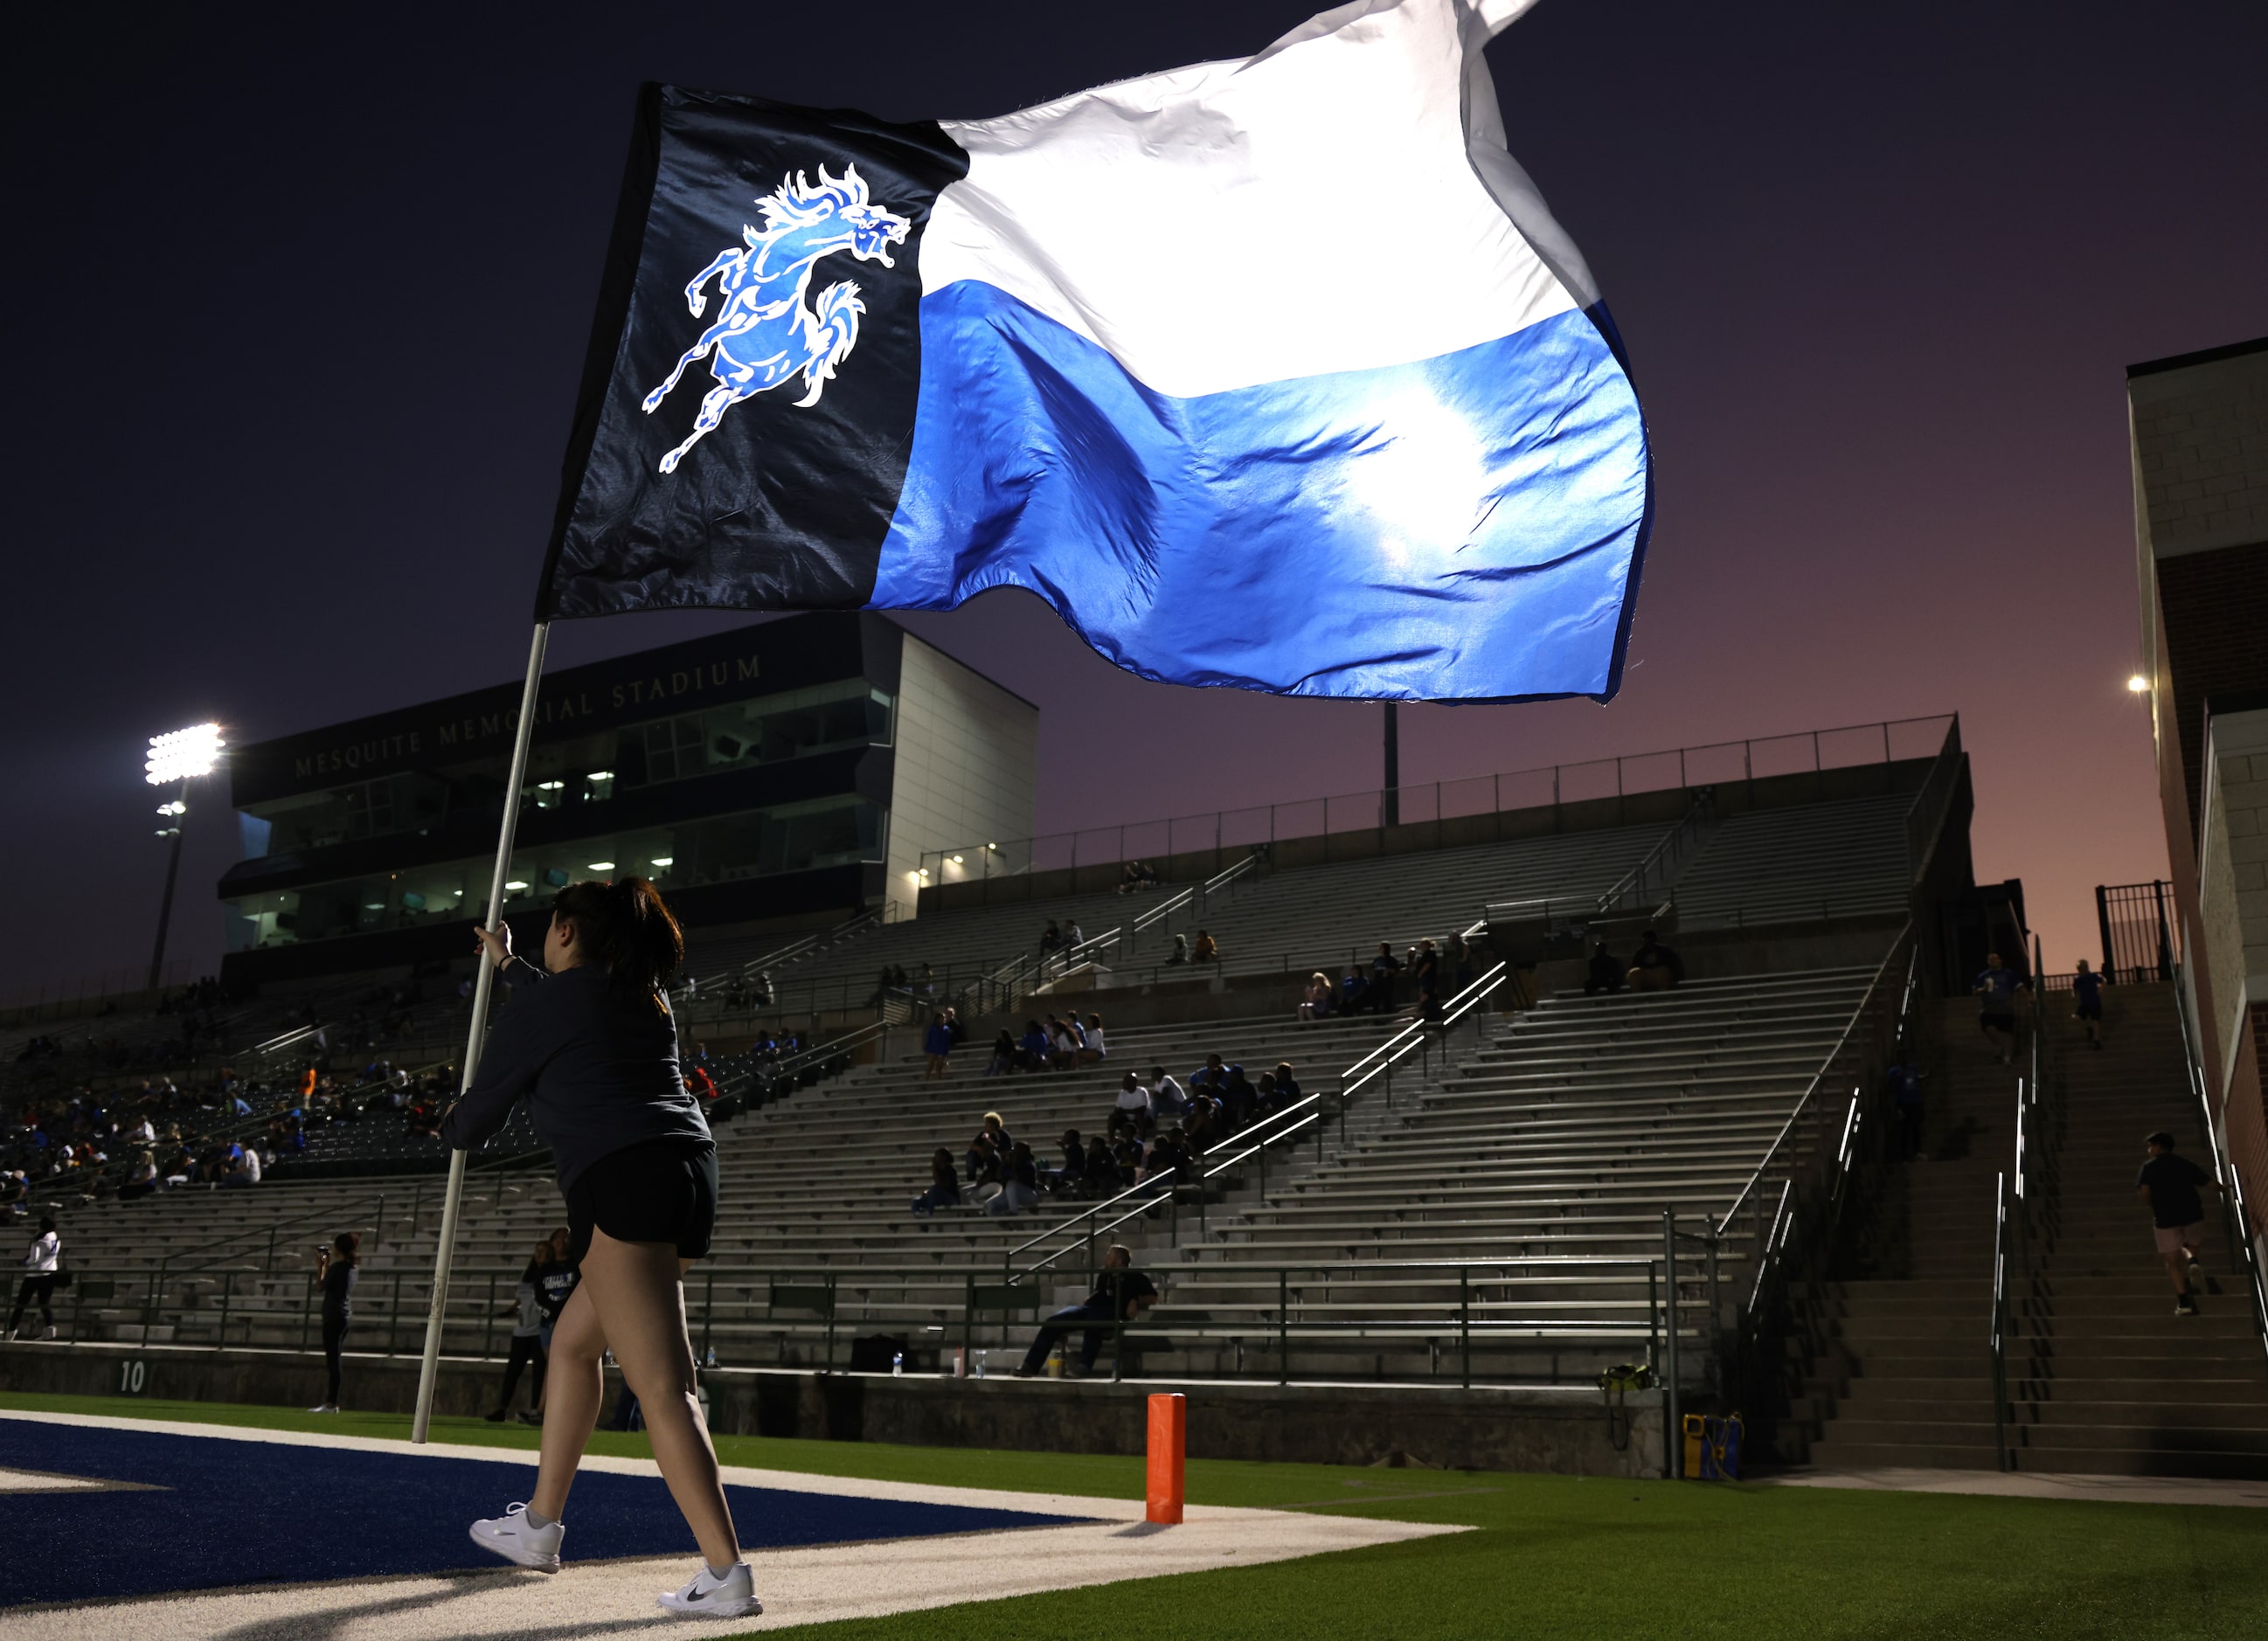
(734,1596)
(512,1536)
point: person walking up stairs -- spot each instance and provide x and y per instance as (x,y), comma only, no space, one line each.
(2113,1381)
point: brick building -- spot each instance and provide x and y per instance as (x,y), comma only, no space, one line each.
(2200,427)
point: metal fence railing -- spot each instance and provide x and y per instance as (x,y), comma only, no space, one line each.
(2141,931)
(1809,752)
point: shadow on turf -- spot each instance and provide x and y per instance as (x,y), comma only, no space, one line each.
(321,1626)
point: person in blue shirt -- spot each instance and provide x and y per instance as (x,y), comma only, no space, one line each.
(936,1043)
(2086,990)
(1996,989)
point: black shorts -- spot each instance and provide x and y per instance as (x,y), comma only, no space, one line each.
(1998,1022)
(662,1191)
(2090,1010)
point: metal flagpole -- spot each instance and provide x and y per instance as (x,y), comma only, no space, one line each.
(428,1371)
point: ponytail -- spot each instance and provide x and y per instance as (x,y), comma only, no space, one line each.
(625,926)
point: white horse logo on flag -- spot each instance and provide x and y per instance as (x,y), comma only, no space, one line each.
(766,333)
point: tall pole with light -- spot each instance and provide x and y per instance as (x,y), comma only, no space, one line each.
(174,761)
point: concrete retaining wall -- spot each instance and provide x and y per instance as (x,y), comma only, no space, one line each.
(1561,1430)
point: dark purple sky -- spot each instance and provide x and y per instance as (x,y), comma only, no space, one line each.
(297,302)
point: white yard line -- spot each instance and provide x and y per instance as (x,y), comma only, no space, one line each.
(798,1587)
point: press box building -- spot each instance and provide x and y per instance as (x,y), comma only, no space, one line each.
(788,773)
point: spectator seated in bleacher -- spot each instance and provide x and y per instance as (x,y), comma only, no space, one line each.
(1051,939)
(1066,1174)
(1032,1047)
(1073,934)
(141,1179)
(1005,1058)
(1100,1177)
(1170,1153)
(1239,1098)
(1604,976)
(1653,966)
(1020,1183)
(1064,1039)
(1167,1098)
(1180,952)
(985,1164)
(1207,1125)
(1207,950)
(1354,992)
(1091,1049)
(943,1184)
(1319,998)
(1134,877)
(1121,1295)
(1131,1111)
(1287,1086)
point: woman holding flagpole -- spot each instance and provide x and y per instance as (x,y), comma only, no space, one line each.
(591,1045)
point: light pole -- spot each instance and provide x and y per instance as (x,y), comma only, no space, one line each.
(1391,809)
(174,761)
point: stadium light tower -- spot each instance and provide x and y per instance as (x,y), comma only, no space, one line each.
(174,761)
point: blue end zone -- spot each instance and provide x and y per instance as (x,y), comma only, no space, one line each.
(237,1513)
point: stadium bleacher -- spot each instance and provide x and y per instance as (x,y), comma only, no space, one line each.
(1528,1156)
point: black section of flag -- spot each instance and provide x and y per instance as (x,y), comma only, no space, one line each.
(780,504)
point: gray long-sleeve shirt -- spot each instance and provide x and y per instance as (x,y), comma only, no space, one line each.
(599,1071)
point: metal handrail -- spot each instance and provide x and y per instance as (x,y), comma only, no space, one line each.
(1163,909)
(2235,1216)
(808,943)
(2001,1319)
(1413,1036)
(1148,1189)
(1703,807)
(1857,1014)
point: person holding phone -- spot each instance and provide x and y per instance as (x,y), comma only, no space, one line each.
(590,1044)
(336,1267)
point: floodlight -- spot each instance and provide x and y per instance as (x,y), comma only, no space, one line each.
(599,775)
(956,860)
(177,807)
(550,787)
(663,860)
(2139,684)
(182,754)
(601,865)
(514,888)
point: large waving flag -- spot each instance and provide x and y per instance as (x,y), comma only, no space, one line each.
(1273,373)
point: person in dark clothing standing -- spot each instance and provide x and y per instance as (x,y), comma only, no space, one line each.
(589,1043)
(2087,993)
(336,1269)
(1605,972)
(2170,1183)
(1120,1294)
(526,1311)
(1383,969)
(1904,1079)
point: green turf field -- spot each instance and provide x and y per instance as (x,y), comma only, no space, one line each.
(1553,1557)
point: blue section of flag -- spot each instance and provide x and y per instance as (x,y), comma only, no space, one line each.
(1462,527)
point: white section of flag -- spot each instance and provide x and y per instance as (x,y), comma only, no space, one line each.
(1310,210)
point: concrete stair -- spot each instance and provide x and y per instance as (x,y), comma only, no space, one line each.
(1901,1368)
